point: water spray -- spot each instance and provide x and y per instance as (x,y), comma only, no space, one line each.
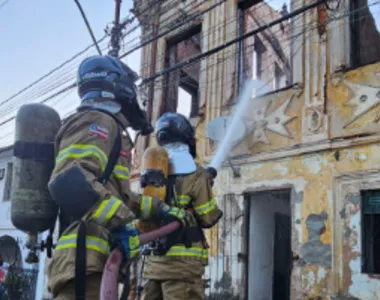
(229,140)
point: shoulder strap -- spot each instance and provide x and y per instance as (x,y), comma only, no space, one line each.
(170,185)
(112,158)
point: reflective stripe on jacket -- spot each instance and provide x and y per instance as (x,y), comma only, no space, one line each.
(179,262)
(85,142)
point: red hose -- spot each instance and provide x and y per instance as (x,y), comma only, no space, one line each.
(109,286)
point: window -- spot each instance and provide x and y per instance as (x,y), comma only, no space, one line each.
(8,182)
(371,232)
(182,86)
(266,55)
(365,37)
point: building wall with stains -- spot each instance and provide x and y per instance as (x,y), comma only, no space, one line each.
(318,138)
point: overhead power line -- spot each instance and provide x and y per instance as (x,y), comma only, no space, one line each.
(175,27)
(88,26)
(4,3)
(214,50)
(308,28)
(67,61)
(185,21)
(233,41)
(51,72)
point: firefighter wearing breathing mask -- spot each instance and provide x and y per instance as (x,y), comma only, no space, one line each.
(90,181)
(175,266)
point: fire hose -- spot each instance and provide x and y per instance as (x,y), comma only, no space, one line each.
(109,284)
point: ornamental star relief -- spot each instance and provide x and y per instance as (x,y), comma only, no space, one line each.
(259,122)
(365,98)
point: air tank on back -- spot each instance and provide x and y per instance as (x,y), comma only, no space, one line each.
(153,179)
(32,209)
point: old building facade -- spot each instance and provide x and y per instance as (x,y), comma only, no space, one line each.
(301,203)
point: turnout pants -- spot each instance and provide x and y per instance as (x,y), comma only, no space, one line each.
(189,289)
(92,289)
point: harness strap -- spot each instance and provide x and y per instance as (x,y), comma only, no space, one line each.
(80,263)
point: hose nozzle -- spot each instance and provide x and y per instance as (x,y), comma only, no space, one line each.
(212,173)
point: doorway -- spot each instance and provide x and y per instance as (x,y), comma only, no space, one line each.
(269,245)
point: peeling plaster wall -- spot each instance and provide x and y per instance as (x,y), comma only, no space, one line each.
(321,217)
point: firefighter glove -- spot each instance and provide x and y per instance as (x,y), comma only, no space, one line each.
(127,238)
(154,209)
(172,213)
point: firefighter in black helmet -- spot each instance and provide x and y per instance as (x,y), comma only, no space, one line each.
(90,181)
(175,270)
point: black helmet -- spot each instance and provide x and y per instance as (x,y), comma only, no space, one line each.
(175,128)
(108,77)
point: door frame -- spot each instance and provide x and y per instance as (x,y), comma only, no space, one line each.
(296,197)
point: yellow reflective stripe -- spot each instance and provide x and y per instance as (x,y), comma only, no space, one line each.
(106,210)
(80,151)
(121,172)
(92,242)
(183,251)
(183,200)
(206,207)
(146,206)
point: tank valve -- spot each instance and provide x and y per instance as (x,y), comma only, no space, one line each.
(32,257)
(34,246)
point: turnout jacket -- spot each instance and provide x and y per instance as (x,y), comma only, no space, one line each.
(181,262)
(82,148)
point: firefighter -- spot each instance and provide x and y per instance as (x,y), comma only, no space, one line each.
(90,181)
(175,269)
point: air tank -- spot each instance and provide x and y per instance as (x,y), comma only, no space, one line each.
(153,178)
(32,208)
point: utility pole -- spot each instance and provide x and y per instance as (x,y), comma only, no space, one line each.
(153,61)
(116,32)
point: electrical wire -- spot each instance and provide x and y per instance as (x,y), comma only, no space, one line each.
(59,67)
(83,14)
(173,28)
(233,41)
(49,73)
(125,54)
(67,88)
(4,3)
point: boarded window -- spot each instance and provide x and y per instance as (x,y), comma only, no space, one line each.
(8,182)
(182,85)
(365,37)
(266,55)
(371,232)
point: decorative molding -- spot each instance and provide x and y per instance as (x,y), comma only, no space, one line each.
(275,122)
(315,120)
(300,149)
(364,99)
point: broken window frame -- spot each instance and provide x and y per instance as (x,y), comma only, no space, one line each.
(367,236)
(172,79)
(242,6)
(354,28)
